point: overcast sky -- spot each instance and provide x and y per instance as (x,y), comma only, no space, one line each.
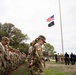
(30,17)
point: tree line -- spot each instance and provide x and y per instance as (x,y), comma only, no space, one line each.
(9,30)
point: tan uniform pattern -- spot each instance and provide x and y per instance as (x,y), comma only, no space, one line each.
(38,64)
(10,59)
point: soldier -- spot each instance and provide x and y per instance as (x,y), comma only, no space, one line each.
(8,47)
(31,49)
(0,64)
(10,56)
(3,55)
(29,53)
(30,56)
(38,60)
(11,53)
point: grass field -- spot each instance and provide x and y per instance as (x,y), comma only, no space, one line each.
(59,69)
(50,69)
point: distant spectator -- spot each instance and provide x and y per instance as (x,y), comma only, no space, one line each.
(67,59)
(56,58)
(72,59)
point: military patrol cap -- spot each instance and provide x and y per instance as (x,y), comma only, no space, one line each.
(42,38)
(5,38)
(11,39)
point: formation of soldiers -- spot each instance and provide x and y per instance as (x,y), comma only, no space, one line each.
(10,58)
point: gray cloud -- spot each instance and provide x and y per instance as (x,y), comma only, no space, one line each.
(30,16)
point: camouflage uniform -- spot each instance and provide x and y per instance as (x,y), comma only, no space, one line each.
(3,55)
(30,60)
(7,57)
(10,58)
(38,63)
(38,60)
(10,63)
(0,63)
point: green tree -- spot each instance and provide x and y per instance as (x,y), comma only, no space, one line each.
(9,30)
(49,48)
(5,29)
(24,47)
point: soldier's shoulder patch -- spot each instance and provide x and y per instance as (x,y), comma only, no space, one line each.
(39,49)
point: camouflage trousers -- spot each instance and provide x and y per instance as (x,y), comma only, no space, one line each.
(2,69)
(37,71)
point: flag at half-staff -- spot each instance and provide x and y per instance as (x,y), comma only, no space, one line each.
(51,20)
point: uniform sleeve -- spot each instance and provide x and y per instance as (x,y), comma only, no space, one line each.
(38,59)
(0,49)
(39,51)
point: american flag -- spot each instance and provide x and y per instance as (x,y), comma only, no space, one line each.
(50,18)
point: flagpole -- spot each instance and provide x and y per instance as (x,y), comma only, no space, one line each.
(61,28)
